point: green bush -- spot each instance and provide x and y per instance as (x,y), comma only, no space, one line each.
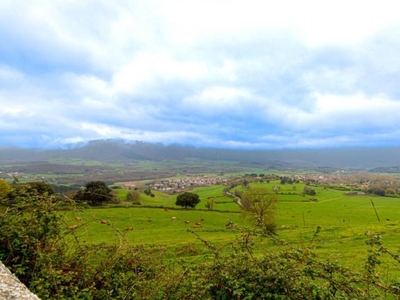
(309,191)
(29,231)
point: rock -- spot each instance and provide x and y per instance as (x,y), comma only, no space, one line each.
(12,288)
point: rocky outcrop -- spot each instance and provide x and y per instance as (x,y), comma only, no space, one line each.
(12,288)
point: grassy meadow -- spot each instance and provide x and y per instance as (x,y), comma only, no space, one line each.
(343,221)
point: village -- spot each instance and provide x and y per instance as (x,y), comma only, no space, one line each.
(180,184)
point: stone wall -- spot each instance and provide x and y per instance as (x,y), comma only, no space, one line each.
(12,288)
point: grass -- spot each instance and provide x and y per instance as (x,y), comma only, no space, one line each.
(343,221)
(151,225)
(222,202)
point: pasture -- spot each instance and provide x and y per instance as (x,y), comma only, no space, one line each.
(342,219)
(147,226)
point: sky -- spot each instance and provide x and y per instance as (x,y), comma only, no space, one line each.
(210,73)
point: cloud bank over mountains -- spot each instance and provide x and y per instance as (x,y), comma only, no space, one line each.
(233,74)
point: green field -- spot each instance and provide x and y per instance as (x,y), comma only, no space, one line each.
(343,220)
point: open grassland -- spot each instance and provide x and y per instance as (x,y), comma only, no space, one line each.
(343,221)
(158,220)
(151,225)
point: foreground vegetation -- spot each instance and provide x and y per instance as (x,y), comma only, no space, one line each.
(64,250)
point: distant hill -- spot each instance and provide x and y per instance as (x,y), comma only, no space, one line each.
(115,150)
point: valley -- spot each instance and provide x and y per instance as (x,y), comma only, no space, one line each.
(340,217)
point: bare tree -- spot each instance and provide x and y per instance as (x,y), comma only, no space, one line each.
(259,206)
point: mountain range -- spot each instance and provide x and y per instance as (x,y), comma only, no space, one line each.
(117,150)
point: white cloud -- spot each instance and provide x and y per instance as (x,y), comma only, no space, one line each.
(337,114)
(146,68)
(219,100)
(343,22)
(318,22)
(8,75)
(234,73)
(88,85)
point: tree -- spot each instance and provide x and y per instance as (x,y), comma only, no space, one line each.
(5,188)
(40,187)
(377,189)
(309,191)
(210,203)
(148,192)
(259,206)
(134,196)
(187,199)
(95,193)
(390,191)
